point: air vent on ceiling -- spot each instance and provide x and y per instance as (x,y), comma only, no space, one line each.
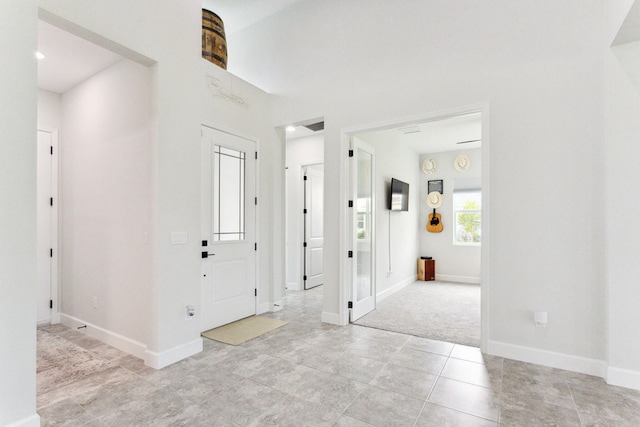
(315,127)
(410,129)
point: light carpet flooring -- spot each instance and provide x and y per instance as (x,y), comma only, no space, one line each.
(437,310)
(312,374)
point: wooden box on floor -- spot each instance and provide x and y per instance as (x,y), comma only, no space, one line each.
(426,269)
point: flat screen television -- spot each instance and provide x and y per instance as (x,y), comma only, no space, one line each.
(399,195)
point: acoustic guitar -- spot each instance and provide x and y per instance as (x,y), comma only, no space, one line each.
(434,225)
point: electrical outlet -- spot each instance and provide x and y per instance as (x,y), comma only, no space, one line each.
(95,302)
(190,313)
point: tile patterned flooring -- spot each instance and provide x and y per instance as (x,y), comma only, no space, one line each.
(313,374)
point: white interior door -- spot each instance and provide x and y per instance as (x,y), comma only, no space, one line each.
(363,229)
(313,227)
(228,228)
(46,224)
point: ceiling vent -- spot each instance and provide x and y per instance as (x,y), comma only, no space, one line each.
(410,129)
(315,127)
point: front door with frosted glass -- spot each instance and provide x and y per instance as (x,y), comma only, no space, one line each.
(228,228)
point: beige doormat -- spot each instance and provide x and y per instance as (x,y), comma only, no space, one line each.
(243,330)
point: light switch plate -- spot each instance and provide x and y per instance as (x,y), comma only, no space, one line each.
(179,238)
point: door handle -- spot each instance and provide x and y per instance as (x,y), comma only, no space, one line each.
(206,255)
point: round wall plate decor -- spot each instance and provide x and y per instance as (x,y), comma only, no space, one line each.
(429,166)
(462,162)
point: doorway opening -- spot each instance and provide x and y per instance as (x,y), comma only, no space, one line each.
(447,153)
(304,195)
(100,102)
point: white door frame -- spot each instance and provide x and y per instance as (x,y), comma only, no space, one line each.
(344,291)
(55,213)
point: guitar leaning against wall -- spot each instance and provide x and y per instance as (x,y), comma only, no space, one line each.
(434,225)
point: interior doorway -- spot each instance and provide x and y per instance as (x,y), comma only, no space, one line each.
(445,149)
(100,102)
(304,154)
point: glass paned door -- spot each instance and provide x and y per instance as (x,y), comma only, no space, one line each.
(363,227)
(228,218)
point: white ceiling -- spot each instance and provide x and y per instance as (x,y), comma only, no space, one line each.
(69,59)
(239,14)
(437,136)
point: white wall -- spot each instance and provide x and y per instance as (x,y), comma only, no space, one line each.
(49,109)
(622,224)
(106,166)
(233,105)
(300,151)
(396,259)
(18,213)
(540,78)
(453,262)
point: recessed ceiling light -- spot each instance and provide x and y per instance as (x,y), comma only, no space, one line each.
(39,55)
(291,129)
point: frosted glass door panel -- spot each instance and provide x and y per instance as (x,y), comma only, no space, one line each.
(229,194)
(363,206)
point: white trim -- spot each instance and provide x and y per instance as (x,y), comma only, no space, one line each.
(485,262)
(55,292)
(344,272)
(294,286)
(548,358)
(114,339)
(332,318)
(264,307)
(31,421)
(458,279)
(395,288)
(623,378)
(176,354)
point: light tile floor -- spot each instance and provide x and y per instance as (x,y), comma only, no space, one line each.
(313,374)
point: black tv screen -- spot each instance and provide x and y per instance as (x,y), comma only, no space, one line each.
(399,195)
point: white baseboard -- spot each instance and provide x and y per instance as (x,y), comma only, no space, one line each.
(548,358)
(294,286)
(332,318)
(176,354)
(271,307)
(623,378)
(114,339)
(32,421)
(138,349)
(55,318)
(458,279)
(395,288)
